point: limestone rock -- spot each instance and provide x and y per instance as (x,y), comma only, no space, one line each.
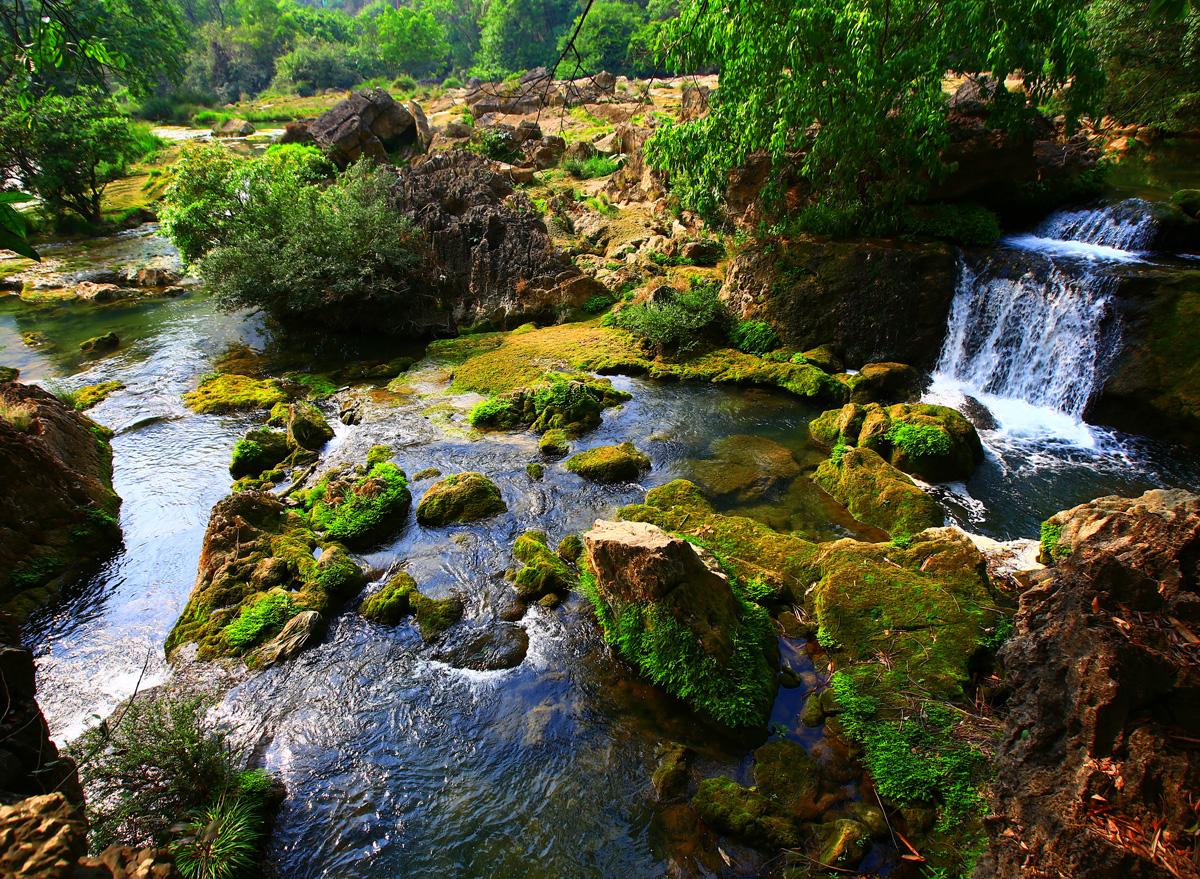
(233,128)
(302,630)
(369,123)
(621,463)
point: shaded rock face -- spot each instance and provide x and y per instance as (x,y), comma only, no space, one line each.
(58,512)
(490,256)
(1098,751)
(369,123)
(45,837)
(871,300)
(639,562)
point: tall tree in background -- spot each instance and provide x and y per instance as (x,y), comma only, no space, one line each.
(852,89)
(518,35)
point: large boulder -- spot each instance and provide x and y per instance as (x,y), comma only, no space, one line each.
(871,300)
(59,510)
(1096,774)
(620,463)
(460,497)
(370,123)
(671,610)
(490,257)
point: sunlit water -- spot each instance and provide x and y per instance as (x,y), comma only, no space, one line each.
(396,761)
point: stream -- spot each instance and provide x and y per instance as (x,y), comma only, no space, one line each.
(398,763)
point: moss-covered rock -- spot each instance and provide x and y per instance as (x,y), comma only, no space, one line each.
(9,373)
(623,463)
(92,395)
(876,493)
(306,427)
(543,572)
(230,393)
(100,344)
(745,814)
(570,404)
(361,511)
(260,564)
(669,608)
(555,443)
(461,497)
(400,598)
(935,443)
(745,468)
(259,450)
(883,383)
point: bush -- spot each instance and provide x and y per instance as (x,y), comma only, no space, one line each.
(679,325)
(594,166)
(969,224)
(498,144)
(220,842)
(452,82)
(313,66)
(156,764)
(753,337)
(297,250)
(404,83)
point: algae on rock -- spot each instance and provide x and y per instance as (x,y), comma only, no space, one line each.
(400,598)
(460,497)
(622,463)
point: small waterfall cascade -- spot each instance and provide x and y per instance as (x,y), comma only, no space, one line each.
(1033,327)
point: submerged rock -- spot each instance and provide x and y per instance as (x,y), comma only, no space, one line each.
(623,463)
(878,494)
(100,344)
(671,610)
(59,510)
(746,468)
(494,649)
(1093,779)
(461,497)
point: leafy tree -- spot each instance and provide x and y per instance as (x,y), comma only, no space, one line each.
(851,92)
(410,41)
(312,66)
(1151,65)
(521,34)
(67,149)
(604,40)
(12,225)
(460,21)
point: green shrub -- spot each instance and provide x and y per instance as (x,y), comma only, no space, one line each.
(678,326)
(488,411)
(919,440)
(969,224)
(591,167)
(263,618)
(498,144)
(753,337)
(404,83)
(452,82)
(315,65)
(220,842)
(1051,542)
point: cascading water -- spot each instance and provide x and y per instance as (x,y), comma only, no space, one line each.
(1032,325)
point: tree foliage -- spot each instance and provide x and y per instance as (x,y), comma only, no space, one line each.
(605,38)
(519,35)
(852,92)
(411,41)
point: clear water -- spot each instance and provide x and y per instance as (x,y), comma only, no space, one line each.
(397,762)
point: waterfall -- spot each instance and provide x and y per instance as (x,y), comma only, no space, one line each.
(1032,325)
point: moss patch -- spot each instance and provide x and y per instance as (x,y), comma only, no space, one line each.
(230,393)
(363,511)
(400,598)
(622,463)
(91,395)
(571,404)
(259,450)
(462,497)
(876,493)
(543,572)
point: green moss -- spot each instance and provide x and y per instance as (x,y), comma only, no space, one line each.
(878,494)
(744,813)
(919,440)
(306,426)
(534,470)
(259,450)
(753,337)
(90,395)
(622,463)
(98,344)
(229,393)
(317,387)
(461,497)
(1053,550)
(365,511)
(570,403)
(258,621)
(554,443)
(400,598)
(543,571)
(737,692)
(570,548)
(378,455)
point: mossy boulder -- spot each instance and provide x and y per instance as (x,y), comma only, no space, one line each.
(745,468)
(400,598)
(883,383)
(543,572)
(92,395)
(461,497)
(306,427)
(100,344)
(260,564)
(568,403)
(555,443)
(878,494)
(623,463)
(743,813)
(752,550)
(361,511)
(669,608)
(259,450)
(935,443)
(9,373)
(230,393)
